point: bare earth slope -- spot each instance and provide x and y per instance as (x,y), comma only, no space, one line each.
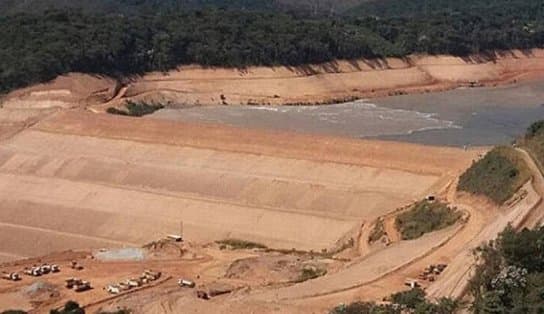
(333,81)
(310,84)
(80,180)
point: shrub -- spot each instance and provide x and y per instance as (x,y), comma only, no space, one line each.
(425,217)
(237,244)
(410,298)
(70,307)
(535,129)
(378,232)
(309,273)
(411,301)
(364,308)
(134,109)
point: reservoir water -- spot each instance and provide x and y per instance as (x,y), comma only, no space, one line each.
(477,116)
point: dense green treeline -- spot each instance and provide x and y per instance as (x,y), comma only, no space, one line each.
(410,8)
(510,275)
(9,7)
(38,47)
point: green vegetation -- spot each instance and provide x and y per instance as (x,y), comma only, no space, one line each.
(237,244)
(411,301)
(498,175)
(10,7)
(425,217)
(377,232)
(309,273)
(70,307)
(160,35)
(135,109)
(509,277)
(534,142)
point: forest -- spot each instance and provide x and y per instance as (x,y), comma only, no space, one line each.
(510,275)
(38,46)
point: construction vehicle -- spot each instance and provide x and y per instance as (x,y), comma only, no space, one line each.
(113,289)
(134,283)
(174,237)
(186,283)
(82,286)
(75,265)
(45,269)
(151,275)
(202,295)
(11,276)
(143,279)
(412,283)
(124,287)
(33,271)
(72,282)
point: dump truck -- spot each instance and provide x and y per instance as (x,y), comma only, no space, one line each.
(45,269)
(113,289)
(82,286)
(11,276)
(33,271)
(124,287)
(134,283)
(72,282)
(144,279)
(151,275)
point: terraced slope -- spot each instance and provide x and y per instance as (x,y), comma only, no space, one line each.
(78,180)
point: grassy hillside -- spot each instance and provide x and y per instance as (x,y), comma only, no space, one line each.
(498,175)
(425,217)
(534,142)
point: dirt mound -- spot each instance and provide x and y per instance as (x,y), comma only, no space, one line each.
(271,269)
(63,92)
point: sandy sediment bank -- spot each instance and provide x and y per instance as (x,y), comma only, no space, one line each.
(311,84)
(335,81)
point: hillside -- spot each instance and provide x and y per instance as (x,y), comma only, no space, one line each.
(498,175)
(39,47)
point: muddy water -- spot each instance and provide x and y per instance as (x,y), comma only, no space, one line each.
(480,116)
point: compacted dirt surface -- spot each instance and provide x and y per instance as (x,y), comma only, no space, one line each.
(78,179)
(73,179)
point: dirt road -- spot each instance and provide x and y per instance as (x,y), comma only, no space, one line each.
(454,281)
